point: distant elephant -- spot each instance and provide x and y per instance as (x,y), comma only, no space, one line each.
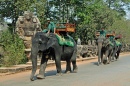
(116,51)
(104,48)
(49,46)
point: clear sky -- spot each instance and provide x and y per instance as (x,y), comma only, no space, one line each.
(127,14)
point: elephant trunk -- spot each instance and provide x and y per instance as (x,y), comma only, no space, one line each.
(34,65)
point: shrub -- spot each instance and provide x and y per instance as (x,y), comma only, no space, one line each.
(13,49)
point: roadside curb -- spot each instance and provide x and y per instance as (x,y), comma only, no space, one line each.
(24,67)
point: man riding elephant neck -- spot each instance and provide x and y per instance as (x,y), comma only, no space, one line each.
(102,32)
(112,37)
(51,27)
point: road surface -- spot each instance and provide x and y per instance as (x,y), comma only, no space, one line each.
(89,74)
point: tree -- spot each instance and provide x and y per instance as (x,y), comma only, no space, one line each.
(92,19)
(119,5)
(11,9)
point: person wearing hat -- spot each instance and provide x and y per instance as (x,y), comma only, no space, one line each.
(51,27)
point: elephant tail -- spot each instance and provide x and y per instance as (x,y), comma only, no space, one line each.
(74,54)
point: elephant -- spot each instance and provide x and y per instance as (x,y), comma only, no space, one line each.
(116,51)
(65,53)
(104,48)
(50,48)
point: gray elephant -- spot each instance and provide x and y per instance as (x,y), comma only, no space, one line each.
(105,50)
(50,48)
(116,50)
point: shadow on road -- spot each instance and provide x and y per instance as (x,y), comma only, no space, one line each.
(95,63)
(50,73)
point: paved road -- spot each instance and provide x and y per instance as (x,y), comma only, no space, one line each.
(115,74)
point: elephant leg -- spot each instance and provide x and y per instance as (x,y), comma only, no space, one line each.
(75,68)
(117,56)
(58,65)
(113,55)
(73,60)
(105,59)
(118,53)
(68,66)
(110,55)
(119,50)
(109,59)
(42,67)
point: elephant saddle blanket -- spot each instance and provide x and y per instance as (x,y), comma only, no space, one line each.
(66,40)
(118,43)
(111,43)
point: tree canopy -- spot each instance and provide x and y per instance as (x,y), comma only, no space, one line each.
(88,15)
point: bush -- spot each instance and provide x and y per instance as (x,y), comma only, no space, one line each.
(13,49)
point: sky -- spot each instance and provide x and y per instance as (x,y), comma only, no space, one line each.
(127,14)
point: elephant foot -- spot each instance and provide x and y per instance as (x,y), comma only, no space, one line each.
(105,62)
(39,76)
(99,63)
(112,60)
(117,59)
(75,70)
(59,74)
(67,72)
(108,62)
(32,78)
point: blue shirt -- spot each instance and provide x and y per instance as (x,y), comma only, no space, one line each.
(51,26)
